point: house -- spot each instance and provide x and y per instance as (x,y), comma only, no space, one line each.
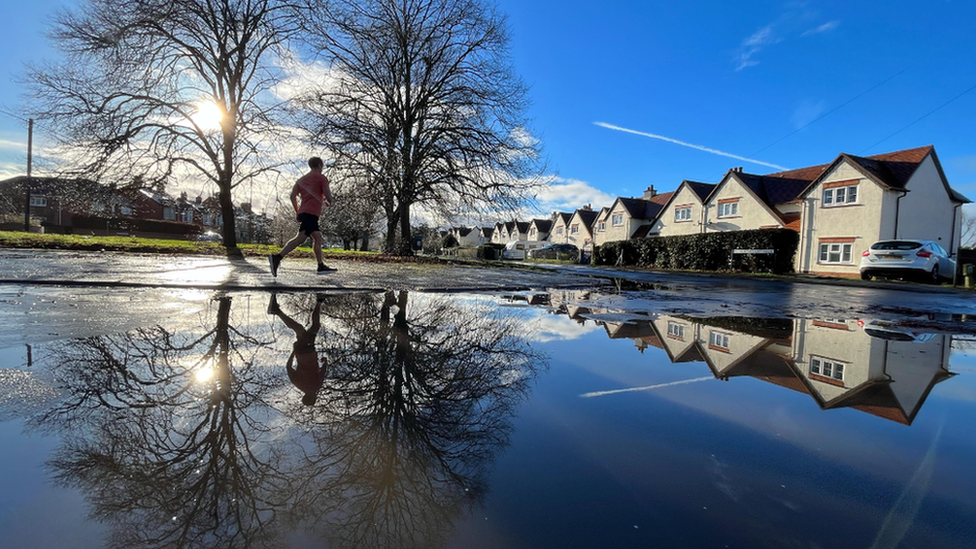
(560,228)
(599,226)
(742,201)
(684,213)
(630,217)
(539,229)
(485,234)
(59,204)
(520,232)
(466,237)
(581,228)
(857,201)
(499,234)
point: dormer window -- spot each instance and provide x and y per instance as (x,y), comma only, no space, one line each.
(682,213)
(617,220)
(728,207)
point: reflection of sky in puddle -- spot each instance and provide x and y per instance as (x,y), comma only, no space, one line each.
(692,432)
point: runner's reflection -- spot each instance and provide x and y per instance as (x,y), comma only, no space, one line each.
(303,363)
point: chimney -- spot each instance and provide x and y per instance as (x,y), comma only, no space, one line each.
(199,199)
(587,208)
(650,193)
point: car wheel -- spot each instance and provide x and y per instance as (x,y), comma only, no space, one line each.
(865,276)
(935,274)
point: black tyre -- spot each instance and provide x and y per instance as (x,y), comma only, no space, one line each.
(865,276)
(934,276)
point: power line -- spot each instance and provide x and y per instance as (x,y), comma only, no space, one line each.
(831,111)
(919,119)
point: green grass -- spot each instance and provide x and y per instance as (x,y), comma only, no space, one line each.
(130,244)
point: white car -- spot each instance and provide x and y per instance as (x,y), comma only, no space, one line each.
(924,259)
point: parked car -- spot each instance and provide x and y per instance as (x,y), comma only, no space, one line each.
(923,259)
(517,249)
(555,251)
(890,331)
(210,236)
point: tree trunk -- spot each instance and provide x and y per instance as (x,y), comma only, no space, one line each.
(406,240)
(227,212)
(364,245)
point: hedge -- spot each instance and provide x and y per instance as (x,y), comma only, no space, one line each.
(705,252)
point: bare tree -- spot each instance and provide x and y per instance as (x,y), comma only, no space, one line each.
(139,76)
(967,238)
(423,100)
(352,216)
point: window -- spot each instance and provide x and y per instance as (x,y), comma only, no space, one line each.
(601,226)
(728,209)
(188,216)
(839,196)
(718,340)
(38,201)
(617,220)
(532,234)
(168,213)
(559,231)
(676,331)
(836,252)
(682,213)
(824,367)
(574,229)
(125,210)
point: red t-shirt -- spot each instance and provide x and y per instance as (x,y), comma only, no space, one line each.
(311,189)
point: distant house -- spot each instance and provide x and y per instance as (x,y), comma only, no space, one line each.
(486,234)
(581,228)
(466,237)
(539,229)
(857,201)
(560,227)
(631,217)
(520,232)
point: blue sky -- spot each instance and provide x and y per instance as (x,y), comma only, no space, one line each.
(734,77)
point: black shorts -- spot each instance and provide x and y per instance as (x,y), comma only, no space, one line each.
(309,223)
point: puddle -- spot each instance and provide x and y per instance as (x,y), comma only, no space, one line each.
(543,419)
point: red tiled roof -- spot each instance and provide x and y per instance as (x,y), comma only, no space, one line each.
(792,221)
(662,198)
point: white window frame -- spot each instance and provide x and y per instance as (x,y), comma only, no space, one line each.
(38,201)
(559,231)
(617,220)
(601,226)
(676,331)
(826,367)
(836,253)
(188,216)
(840,196)
(719,340)
(682,214)
(574,229)
(728,209)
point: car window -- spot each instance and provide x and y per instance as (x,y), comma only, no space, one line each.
(941,250)
(897,245)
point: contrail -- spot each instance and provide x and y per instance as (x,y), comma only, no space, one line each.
(902,515)
(647,388)
(682,143)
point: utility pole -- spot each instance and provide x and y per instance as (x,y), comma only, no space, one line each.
(27,183)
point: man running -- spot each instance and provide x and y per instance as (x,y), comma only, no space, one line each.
(306,374)
(313,188)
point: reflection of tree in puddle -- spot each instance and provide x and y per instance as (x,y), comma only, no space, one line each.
(175,439)
(166,436)
(418,402)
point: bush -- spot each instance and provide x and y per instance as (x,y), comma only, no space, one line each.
(705,252)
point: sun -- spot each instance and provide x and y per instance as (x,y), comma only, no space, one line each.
(208,115)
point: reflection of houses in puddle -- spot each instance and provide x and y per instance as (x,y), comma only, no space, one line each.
(881,371)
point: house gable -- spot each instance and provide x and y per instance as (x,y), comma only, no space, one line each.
(689,196)
(736,205)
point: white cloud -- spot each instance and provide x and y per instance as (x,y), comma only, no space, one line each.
(571,194)
(807,112)
(558,328)
(753,45)
(684,144)
(18,146)
(826,27)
